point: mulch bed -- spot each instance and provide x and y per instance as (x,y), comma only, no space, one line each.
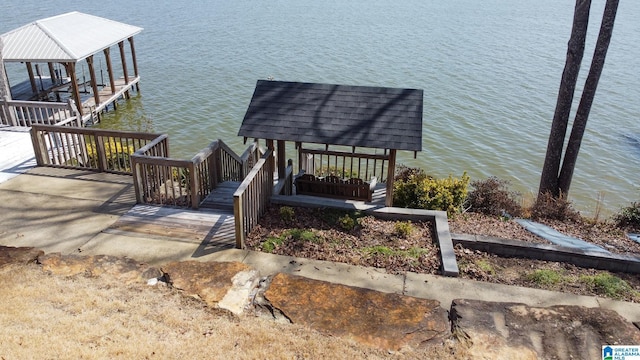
(319,234)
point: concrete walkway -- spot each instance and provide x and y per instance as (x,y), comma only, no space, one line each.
(68,211)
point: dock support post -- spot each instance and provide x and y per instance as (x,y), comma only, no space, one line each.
(112,81)
(135,61)
(123,59)
(70,68)
(94,84)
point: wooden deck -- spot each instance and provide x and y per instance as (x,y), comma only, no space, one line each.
(16,152)
(107,97)
(213,230)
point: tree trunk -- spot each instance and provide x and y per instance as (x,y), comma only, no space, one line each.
(575,51)
(589,92)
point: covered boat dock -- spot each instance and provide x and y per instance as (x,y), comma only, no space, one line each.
(68,57)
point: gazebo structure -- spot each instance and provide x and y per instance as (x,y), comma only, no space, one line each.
(52,50)
(361,128)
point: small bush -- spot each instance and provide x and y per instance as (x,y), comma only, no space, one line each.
(485,266)
(346,222)
(545,277)
(609,285)
(287,213)
(304,235)
(492,197)
(415,189)
(550,207)
(629,217)
(403,228)
(271,243)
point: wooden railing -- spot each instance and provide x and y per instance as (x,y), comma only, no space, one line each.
(28,113)
(252,197)
(344,164)
(86,148)
(160,179)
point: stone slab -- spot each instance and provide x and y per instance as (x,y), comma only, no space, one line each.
(446,290)
(124,269)
(339,273)
(383,320)
(515,330)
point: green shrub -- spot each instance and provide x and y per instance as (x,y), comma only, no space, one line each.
(415,189)
(609,285)
(271,243)
(629,217)
(550,207)
(492,197)
(302,234)
(287,213)
(403,228)
(545,277)
(346,222)
(485,266)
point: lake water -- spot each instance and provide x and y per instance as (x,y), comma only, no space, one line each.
(490,71)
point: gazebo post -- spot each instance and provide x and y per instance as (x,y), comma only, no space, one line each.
(282,162)
(270,160)
(94,83)
(391,170)
(112,82)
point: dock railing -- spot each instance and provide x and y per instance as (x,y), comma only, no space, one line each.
(28,113)
(252,197)
(86,148)
(160,179)
(285,186)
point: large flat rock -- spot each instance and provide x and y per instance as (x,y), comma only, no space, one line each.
(123,269)
(225,285)
(383,320)
(512,330)
(18,255)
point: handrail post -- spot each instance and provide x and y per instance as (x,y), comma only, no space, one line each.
(39,147)
(101,152)
(238,212)
(137,178)
(194,186)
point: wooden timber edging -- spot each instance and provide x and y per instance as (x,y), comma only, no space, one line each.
(550,252)
(439,219)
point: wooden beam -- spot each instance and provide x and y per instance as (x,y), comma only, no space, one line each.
(112,81)
(282,161)
(388,201)
(94,83)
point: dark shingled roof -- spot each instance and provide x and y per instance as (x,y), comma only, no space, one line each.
(362,116)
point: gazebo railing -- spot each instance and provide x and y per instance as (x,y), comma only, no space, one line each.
(344,164)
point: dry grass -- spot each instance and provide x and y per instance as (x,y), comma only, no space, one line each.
(52,317)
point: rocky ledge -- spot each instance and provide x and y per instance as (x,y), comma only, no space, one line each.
(383,320)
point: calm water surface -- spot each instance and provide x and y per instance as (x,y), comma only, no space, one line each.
(490,71)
